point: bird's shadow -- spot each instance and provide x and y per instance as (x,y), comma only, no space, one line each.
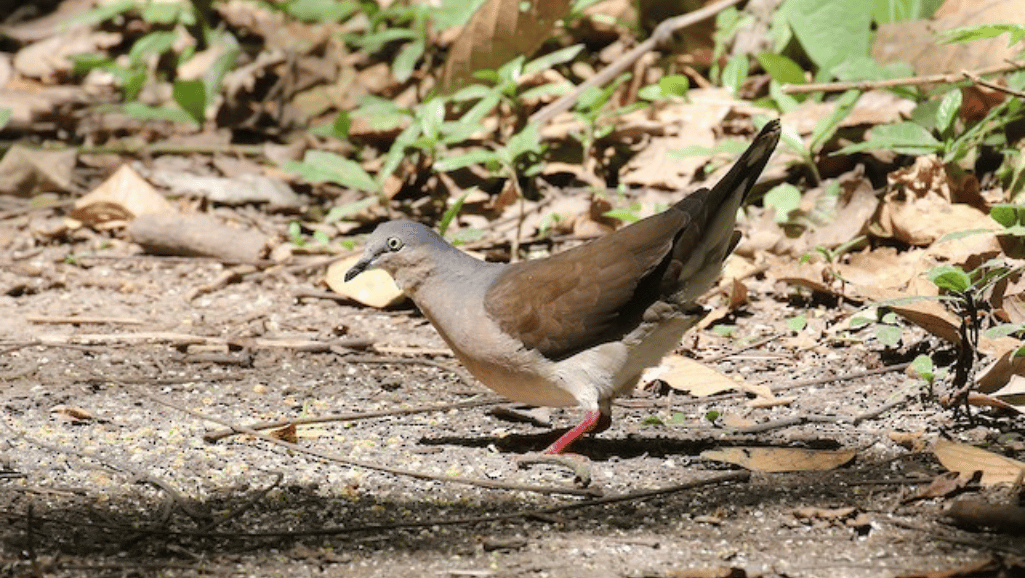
(602,448)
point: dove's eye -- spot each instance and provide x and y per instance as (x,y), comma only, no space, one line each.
(394,243)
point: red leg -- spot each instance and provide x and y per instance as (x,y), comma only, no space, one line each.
(593,420)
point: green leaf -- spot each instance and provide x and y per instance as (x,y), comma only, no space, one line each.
(341,212)
(5,117)
(783,199)
(712,415)
(545,90)
(923,367)
(191,96)
(450,213)
(431,115)
(889,335)
(1004,330)
(781,69)
(322,166)
(455,162)
(983,31)
(169,13)
(230,51)
(674,85)
(890,11)
(735,73)
(526,141)
(858,322)
(948,110)
(552,59)
(951,278)
(405,61)
(295,233)
(903,137)
(830,31)
(797,323)
(374,42)
(101,13)
(1008,214)
(146,112)
(320,10)
(154,43)
(826,127)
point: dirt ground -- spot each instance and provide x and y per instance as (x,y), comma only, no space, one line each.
(104,470)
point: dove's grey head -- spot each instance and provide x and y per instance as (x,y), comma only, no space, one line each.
(408,251)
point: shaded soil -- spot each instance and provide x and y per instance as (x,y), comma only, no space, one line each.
(132,489)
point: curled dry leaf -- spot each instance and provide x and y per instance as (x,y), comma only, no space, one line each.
(71,414)
(781,459)
(966,460)
(498,32)
(921,204)
(286,433)
(683,374)
(914,41)
(26,172)
(374,288)
(122,197)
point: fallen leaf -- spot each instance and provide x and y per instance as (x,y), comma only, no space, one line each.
(914,41)
(945,485)
(26,172)
(286,433)
(781,459)
(966,459)
(122,197)
(71,414)
(499,31)
(374,287)
(683,374)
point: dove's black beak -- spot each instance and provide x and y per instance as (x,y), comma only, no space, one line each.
(356,269)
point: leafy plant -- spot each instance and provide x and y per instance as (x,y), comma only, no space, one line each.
(154,56)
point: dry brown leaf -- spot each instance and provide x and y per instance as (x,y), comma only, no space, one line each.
(853,213)
(945,485)
(927,314)
(914,441)
(122,197)
(1012,394)
(374,288)
(683,374)
(71,414)
(781,459)
(915,41)
(921,204)
(872,108)
(673,127)
(51,57)
(1005,364)
(966,459)
(286,433)
(498,32)
(26,172)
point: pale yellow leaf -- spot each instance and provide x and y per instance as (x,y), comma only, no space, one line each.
(374,287)
(683,374)
(966,459)
(781,459)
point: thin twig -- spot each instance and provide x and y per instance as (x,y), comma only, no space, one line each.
(215,436)
(892,82)
(662,33)
(539,513)
(361,463)
(983,82)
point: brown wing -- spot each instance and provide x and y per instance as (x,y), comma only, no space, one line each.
(577,298)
